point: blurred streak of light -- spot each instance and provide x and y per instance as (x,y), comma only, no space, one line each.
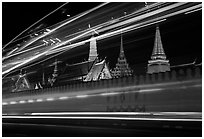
(63,98)
(193,11)
(138,90)
(12,51)
(158,18)
(22,101)
(52,30)
(104,118)
(13,102)
(30,101)
(109,94)
(12,63)
(69,21)
(143,16)
(34,24)
(130,28)
(119,113)
(4,103)
(82,96)
(77,37)
(39,100)
(26,50)
(50,99)
(150,90)
(133,27)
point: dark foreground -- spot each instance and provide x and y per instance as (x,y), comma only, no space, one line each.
(52,127)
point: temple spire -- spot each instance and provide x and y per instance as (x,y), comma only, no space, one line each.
(158,62)
(93,49)
(55,73)
(121,45)
(122,68)
(158,50)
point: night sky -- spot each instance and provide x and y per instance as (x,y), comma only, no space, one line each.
(17,16)
(181,35)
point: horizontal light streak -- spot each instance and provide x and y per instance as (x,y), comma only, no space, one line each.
(4,103)
(81,96)
(150,90)
(63,98)
(102,118)
(94,113)
(39,100)
(109,94)
(13,102)
(22,101)
(30,101)
(50,99)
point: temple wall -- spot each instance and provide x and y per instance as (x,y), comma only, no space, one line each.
(178,90)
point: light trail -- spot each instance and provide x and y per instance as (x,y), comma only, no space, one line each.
(50,99)
(25,50)
(82,96)
(102,118)
(34,24)
(193,11)
(62,43)
(160,19)
(39,100)
(101,37)
(122,113)
(69,21)
(30,101)
(63,98)
(22,101)
(149,88)
(104,36)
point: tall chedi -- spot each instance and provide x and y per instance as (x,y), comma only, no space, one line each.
(122,68)
(158,62)
(93,49)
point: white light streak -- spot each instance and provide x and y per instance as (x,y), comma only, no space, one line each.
(43,35)
(39,100)
(12,51)
(150,90)
(95,113)
(4,103)
(13,102)
(30,101)
(22,101)
(102,118)
(109,94)
(50,99)
(81,96)
(63,98)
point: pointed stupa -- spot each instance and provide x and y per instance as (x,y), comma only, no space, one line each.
(121,47)
(158,50)
(93,46)
(55,73)
(93,49)
(158,62)
(122,68)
